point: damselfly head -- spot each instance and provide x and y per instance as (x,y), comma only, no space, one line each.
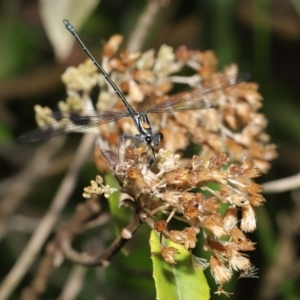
(156,139)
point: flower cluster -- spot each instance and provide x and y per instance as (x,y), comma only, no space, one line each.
(186,194)
(234,127)
(98,188)
(212,193)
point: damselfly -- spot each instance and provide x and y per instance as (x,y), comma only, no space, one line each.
(193,99)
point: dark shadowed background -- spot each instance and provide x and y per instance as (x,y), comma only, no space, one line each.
(261,36)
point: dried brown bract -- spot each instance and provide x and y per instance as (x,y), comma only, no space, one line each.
(184,193)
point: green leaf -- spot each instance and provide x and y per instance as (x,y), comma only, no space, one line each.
(181,281)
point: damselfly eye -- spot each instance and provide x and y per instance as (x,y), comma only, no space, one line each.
(148,140)
(161,136)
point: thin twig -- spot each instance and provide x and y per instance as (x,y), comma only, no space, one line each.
(282,185)
(84,214)
(145,21)
(73,284)
(103,259)
(17,187)
(37,82)
(47,224)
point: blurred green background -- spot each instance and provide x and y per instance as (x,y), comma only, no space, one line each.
(261,36)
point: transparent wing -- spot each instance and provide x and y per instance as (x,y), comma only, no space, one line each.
(194,98)
(73,122)
(81,117)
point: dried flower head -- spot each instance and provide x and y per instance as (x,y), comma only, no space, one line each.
(167,187)
(146,79)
